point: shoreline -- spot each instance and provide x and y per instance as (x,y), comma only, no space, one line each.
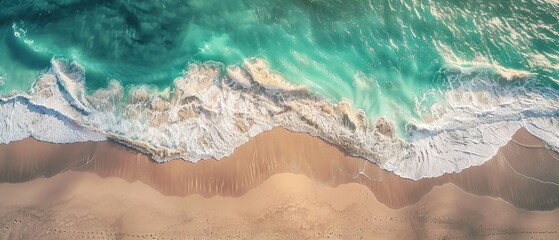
(210,113)
(279,185)
(279,151)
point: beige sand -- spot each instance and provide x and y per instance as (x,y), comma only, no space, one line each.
(277,186)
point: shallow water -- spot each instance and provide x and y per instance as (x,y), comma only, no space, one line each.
(456,78)
(384,56)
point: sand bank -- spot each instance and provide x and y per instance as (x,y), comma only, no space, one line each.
(279,184)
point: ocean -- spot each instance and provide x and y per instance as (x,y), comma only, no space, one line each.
(419,87)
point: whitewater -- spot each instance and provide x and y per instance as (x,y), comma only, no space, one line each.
(420,88)
(213,109)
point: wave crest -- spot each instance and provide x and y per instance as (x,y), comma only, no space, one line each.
(213,109)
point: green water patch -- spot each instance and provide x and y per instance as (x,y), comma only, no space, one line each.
(20,64)
(386,57)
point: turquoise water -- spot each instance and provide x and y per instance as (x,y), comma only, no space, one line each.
(380,55)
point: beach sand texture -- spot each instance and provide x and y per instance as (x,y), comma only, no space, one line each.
(279,185)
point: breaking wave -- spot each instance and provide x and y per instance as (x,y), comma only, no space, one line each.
(212,109)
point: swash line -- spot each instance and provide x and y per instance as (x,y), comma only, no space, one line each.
(526,176)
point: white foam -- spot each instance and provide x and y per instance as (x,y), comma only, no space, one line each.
(71,77)
(43,114)
(476,118)
(22,119)
(208,115)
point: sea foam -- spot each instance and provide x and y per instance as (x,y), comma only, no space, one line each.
(213,109)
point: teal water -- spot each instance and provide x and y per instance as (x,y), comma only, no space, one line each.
(380,55)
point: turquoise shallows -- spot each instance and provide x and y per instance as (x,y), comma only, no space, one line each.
(380,55)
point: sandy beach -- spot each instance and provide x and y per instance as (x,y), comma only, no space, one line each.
(279,185)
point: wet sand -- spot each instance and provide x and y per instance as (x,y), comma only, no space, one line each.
(278,185)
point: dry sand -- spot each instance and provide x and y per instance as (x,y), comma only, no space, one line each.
(279,185)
